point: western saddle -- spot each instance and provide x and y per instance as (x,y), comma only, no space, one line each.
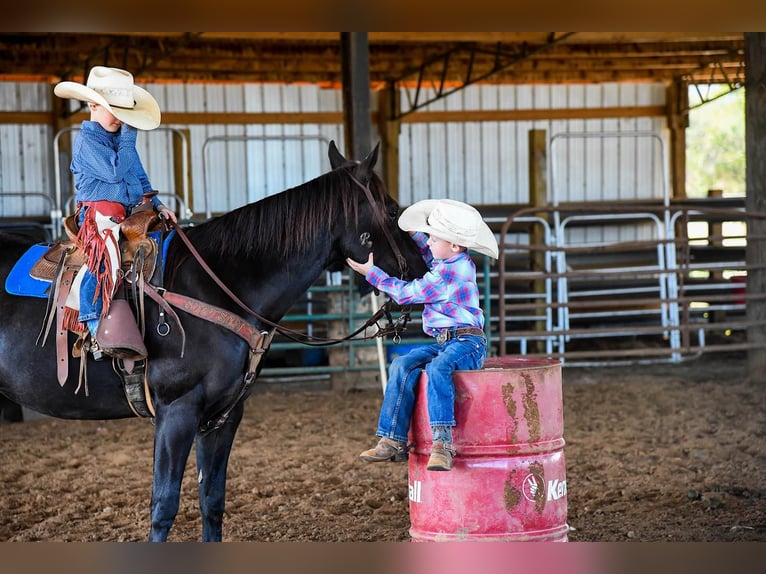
(119,335)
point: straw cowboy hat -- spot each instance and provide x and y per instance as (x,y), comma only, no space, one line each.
(113,88)
(452,221)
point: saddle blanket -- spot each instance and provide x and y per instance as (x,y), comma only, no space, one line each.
(20,282)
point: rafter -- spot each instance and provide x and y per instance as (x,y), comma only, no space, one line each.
(437,81)
(438,62)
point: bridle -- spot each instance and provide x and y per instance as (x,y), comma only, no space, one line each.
(400,260)
(393,326)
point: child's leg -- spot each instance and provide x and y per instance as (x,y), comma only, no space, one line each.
(397,407)
(463,353)
(399,400)
(442,434)
(90,310)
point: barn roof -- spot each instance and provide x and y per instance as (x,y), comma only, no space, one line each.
(400,57)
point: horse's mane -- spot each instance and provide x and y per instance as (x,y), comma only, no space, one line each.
(284,224)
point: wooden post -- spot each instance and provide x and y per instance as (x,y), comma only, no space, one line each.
(715,231)
(538,197)
(179,177)
(389,128)
(677,98)
(755,200)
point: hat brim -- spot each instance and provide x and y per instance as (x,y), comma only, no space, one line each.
(415,218)
(145,115)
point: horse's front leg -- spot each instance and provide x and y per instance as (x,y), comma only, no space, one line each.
(213,451)
(175,427)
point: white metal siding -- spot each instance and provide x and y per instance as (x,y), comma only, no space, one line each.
(483,163)
(25,153)
(487,162)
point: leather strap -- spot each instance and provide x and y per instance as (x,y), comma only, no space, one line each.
(447,334)
(211,313)
(62,354)
(135,386)
(256,353)
(165,306)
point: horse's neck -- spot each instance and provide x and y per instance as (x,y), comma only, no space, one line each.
(268,285)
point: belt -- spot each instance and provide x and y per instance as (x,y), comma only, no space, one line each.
(448,334)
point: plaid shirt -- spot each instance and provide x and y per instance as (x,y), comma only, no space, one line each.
(449,292)
(106,166)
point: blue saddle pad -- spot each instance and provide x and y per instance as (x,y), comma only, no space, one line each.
(20,282)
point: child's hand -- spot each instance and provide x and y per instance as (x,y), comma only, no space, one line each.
(167,213)
(127,137)
(361,268)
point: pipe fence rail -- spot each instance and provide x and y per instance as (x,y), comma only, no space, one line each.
(669,286)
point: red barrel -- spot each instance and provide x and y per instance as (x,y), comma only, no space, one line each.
(508,481)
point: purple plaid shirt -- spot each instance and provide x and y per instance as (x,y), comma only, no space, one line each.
(449,292)
(106,166)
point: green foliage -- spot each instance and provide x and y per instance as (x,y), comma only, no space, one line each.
(715,146)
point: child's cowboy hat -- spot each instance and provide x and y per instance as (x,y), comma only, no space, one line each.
(452,221)
(113,88)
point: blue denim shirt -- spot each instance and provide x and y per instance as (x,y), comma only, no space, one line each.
(106,166)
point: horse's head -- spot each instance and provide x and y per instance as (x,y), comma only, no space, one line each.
(376,227)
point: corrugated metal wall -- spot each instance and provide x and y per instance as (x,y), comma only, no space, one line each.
(483,163)
(486,163)
(234,165)
(26,177)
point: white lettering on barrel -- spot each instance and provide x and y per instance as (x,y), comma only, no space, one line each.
(415,491)
(556,489)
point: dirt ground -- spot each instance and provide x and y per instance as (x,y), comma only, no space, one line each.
(653,453)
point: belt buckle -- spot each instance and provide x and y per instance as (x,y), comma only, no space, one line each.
(442,337)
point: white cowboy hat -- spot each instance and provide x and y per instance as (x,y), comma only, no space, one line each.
(113,88)
(453,221)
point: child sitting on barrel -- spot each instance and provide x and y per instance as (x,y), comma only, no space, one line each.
(444,230)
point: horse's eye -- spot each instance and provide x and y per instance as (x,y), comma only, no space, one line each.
(393,213)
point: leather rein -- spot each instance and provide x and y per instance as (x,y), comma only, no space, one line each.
(246,331)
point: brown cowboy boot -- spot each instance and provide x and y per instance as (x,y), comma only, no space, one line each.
(441,456)
(386,450)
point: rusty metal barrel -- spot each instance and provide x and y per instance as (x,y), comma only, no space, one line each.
(508,481)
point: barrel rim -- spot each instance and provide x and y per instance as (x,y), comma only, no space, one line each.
(519,363)
(558,533)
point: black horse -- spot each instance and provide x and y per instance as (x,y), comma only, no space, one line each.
(268,254)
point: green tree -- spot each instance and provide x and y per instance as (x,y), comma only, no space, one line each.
(715,145)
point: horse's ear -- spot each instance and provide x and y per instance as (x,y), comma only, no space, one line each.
(336,158)
(367,164)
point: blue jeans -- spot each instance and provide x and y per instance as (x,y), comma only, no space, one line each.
(89,309)
(466,352)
